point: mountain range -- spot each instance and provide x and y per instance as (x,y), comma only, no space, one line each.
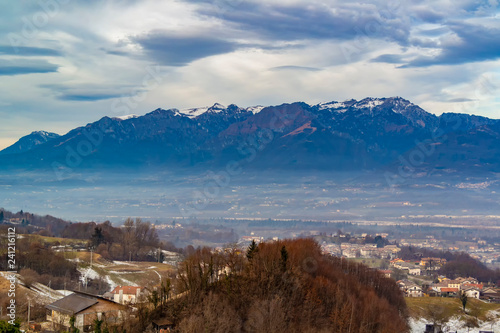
(352,135)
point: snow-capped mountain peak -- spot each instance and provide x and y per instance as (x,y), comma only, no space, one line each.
(255,109)
(217,107)
(331,105)
(130,116)
(194,112)
(369,103)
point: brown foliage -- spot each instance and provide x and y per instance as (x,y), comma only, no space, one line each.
(302,291)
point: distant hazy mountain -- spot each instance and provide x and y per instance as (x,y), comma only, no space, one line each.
(350,135)
(29,142)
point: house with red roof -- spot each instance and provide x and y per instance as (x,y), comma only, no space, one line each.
(127,294)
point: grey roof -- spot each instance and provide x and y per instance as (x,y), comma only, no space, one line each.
(72,304)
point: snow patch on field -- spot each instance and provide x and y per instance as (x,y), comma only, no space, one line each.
(111,283)
(88,273)
(454,325)
(123,263)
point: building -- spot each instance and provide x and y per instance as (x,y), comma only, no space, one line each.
(472,292)
(85,309)
(387,273)
(465,286)
(127,294)
(410,289)
(432,328)
(432,263)
(449,292)
(162,325)
(411,268)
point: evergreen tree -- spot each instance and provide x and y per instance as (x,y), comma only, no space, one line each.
(98,325)
(284,258)
(72,328)
(9,328)
(252,249)
(1,216)
(463,299)
(97,237)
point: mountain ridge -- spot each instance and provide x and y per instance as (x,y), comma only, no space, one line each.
(366,134)
(29,141)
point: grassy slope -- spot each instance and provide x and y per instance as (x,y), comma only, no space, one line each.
(426,307)
(124,273)
(54,240)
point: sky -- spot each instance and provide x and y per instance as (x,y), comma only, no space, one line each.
(66,63)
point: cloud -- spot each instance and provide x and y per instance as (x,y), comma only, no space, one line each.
(293,68)
(89,97)
(177,50)
(427,14)
(473,43)
(86,93)
(460,100)
(21,67)
(313,21)
(245,52)
(28,51)
(389,58)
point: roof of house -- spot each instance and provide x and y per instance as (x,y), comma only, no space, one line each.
(77,302)
(407,283)
(472,285)
(72,304)
(449,290)
(490,290)
(128,290)
(453,281)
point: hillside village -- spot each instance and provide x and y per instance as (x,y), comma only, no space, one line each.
(115,291)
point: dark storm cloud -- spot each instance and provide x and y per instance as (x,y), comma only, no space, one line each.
(174,50)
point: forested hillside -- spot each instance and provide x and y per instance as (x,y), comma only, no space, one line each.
(285,286)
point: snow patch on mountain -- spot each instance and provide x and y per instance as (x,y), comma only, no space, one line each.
(130,116)
(255,109)
(216,108)
(331,105)
(368,103)
(194,112)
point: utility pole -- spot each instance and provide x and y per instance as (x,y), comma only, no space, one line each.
(91,251)
(29,312)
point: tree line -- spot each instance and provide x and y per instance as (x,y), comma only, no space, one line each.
(284,286)
(458,264)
